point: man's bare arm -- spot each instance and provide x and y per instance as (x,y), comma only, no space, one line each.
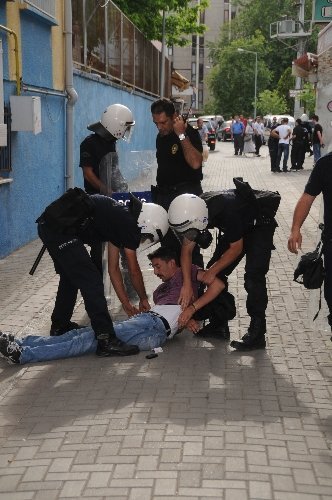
(301,212)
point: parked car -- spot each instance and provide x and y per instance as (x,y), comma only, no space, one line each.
(224,131)
(211,131)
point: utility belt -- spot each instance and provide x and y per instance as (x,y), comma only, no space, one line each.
(165,322)
(165,194)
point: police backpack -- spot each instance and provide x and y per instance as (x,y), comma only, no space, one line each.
(69,213)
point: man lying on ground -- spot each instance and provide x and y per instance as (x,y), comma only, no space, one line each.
(147,330)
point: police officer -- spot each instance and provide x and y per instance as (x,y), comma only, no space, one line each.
(245,232)
(123,228)
(179,158)
(98,150)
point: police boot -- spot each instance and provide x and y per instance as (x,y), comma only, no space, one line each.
(59,329)
(113,346)
(215,329)
(329,319)
(254,338)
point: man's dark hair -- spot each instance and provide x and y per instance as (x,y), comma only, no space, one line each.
(164,253)
(299,121)
(163,106)
(315,117)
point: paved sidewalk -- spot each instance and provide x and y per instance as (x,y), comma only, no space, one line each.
(199,422)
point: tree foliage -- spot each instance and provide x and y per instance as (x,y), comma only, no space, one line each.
(181,18)
(270,102)
(274,56)
(308,97)
(232,79)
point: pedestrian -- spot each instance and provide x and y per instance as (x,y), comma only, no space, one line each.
(272,144)
(320,181)
(283,133)
(299,137)
(307,125)
(317,138)
(237,133)
(259,128)
(108,221)
(249,146)
(203,132)
(147,330)
(246,228)
(179,158)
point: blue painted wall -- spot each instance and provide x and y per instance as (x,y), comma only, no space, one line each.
(38,161)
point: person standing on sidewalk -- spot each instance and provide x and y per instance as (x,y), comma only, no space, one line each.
(272,144)
(259,128)
(317,138)
(283,132)
(107,222)
(98,150)
(179,158)
(320,181)
(237,133)
(203,132)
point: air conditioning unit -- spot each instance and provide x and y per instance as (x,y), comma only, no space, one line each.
(286,26)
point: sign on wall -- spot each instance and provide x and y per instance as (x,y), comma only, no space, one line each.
(322,11)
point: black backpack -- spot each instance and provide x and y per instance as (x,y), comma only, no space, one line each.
(266,203)
(69,213)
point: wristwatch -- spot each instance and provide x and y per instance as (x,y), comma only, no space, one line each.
(182,137)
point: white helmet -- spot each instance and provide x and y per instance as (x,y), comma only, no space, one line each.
(304,118)
(116,120)
(153,223)
(188,216)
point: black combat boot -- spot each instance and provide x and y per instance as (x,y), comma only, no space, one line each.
(113,346)
(254,338)
(215,329)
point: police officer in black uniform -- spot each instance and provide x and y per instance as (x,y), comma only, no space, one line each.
(179,158)
(98,150)
(243,230)
(123,228)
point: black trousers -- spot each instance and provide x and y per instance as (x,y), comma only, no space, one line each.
(273,150)
(297,155)
(258,245)
(258,143)
(77,272)
(327,251)
(238,143)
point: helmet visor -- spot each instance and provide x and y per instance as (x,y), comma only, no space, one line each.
(128,132)
(147,241)
(188,236)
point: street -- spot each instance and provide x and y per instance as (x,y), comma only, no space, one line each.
(200,421)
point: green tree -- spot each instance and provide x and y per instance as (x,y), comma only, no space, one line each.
(232,78)
(181,19)
(308,97)
(270,102)
(276,54)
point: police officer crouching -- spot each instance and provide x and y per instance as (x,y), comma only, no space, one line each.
(124,228)
(246,224)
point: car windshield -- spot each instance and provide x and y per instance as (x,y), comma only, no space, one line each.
(207,123)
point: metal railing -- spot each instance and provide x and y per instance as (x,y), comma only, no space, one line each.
(106,42)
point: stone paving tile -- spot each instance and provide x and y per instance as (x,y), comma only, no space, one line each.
(200,422)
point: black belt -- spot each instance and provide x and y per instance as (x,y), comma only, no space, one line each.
(166,325)
(182,186)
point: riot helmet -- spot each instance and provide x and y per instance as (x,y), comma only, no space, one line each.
(188,218)
(152,221)
(116,122)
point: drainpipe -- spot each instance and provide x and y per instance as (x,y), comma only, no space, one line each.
(71,93)
(17,63)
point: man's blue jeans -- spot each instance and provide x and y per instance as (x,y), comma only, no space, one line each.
(144,330)
(316,151)
(282,149)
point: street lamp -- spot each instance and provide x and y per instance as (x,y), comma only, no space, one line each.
(252,52)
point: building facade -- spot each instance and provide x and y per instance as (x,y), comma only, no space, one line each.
(194,63)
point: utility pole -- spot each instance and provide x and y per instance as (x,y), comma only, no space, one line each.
(163,51)
(197,58)
(300,50)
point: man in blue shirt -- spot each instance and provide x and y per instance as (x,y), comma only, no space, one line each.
(237,133)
